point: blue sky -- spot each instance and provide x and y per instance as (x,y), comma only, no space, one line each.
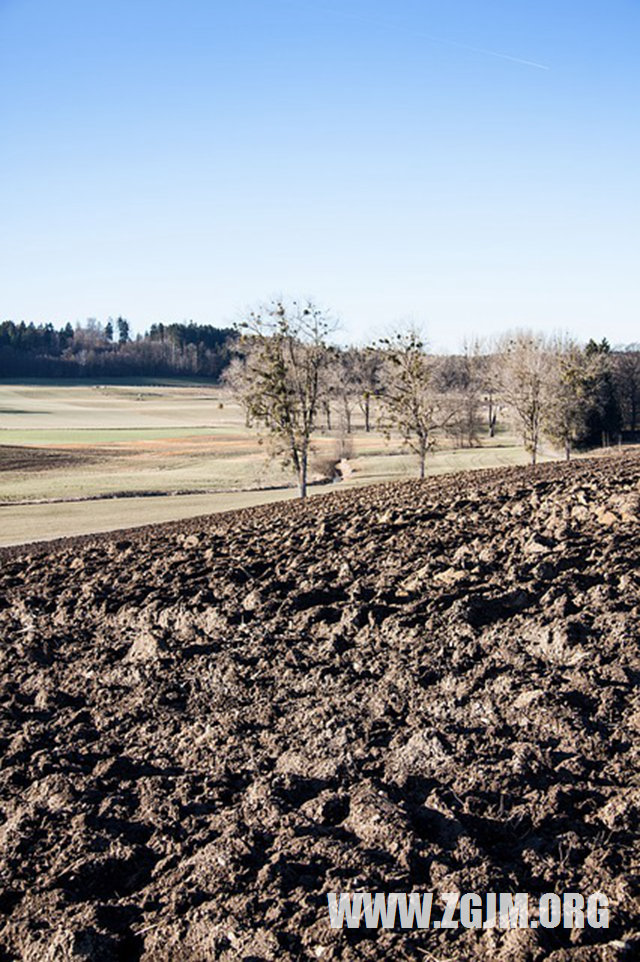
(168,161)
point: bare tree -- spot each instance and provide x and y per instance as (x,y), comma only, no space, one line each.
(523,360)
(486,358)
(325,406)
(343,385)
(471,393)
(458,378)
(566,389)
(410,405)
(237,378)
(367,363)
(490,380)
(286,356)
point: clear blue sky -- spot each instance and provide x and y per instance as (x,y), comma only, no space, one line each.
(171,160)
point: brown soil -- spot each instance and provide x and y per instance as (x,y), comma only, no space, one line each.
(207,726)
(15,457)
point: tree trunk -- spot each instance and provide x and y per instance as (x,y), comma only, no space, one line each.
(567,449)
(493,414)
(367,424)
(302,477)
(347,418)
(423,458)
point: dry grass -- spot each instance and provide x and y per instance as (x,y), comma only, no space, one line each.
(188,445)
(41,522)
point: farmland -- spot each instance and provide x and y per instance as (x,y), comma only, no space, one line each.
(88,457)
(431,686)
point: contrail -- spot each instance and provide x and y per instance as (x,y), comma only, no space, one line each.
(489,53)
(345,14)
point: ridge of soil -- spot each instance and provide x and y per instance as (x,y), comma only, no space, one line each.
(208,725)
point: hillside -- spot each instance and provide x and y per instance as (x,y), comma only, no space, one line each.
(208,725)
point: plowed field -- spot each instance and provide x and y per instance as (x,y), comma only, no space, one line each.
(207,726)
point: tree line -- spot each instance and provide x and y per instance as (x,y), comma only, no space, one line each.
(293,382)
(94,349)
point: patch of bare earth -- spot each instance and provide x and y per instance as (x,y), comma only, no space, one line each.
(15,457)
(207,726)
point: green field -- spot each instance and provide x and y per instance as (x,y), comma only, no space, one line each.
(78,458)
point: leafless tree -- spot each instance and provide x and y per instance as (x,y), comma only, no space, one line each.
(566,394)
(286,356)
(367,363)
(523,360)
(458,378)
(410,405)
(237,378)
(343,385)
(489,373)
